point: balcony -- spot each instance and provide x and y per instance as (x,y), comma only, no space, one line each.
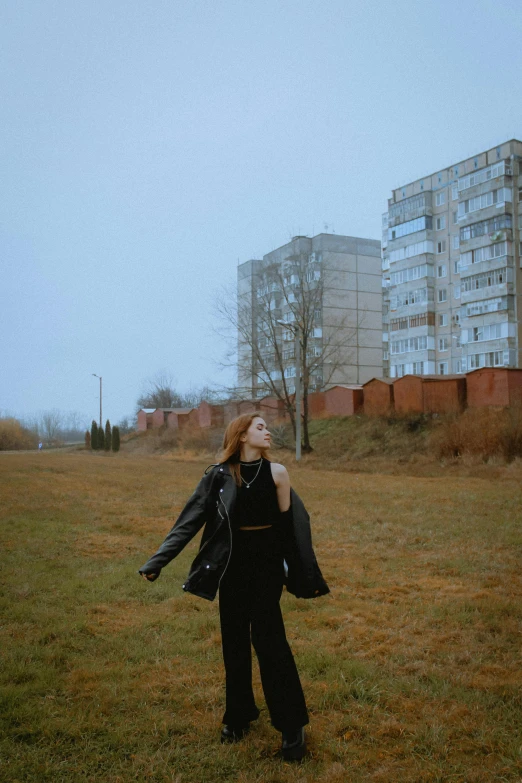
(484,306)
(497,228)
(497,170)
(409,209)
(489,265)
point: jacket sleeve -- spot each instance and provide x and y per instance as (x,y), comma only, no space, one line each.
(304,578)
(187,525)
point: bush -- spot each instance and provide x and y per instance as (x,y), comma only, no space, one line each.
(13,436)
(94,435)
(115,438)
(101,439)
(486,432)
(108,435)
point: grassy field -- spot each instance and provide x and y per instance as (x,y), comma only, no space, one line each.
(411,667)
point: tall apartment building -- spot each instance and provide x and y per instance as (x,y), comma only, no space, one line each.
(451,268)
(348,313)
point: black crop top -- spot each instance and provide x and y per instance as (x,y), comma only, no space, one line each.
(256,502)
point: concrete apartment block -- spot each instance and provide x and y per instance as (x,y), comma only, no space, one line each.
(452,280)
(348,317)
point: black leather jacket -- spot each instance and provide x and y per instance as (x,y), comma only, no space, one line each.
(211,505)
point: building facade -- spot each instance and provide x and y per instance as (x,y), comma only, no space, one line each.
(331,282)
(451,268)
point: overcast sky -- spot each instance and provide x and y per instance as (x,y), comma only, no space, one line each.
(146,147)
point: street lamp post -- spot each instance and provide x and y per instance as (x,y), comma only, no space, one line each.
(295,329)
(99,376)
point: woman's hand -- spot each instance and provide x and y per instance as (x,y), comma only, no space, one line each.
(150,577)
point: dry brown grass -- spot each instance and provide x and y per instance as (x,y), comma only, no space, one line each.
(411,666)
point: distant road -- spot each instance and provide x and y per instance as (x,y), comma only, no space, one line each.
(48,450)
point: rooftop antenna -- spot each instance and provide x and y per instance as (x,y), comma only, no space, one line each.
(326,227)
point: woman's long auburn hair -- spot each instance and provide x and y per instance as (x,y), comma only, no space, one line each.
(231,452)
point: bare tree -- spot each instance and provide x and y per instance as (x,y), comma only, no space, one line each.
(292,292)
(159,392)
(50,424)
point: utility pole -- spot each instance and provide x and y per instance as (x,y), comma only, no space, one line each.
(99,376)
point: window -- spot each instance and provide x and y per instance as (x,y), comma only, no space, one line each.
(487,279)
(410,344)
(397,324)
(418,368)
(317,315)
(458,344)
(455,241)
(443,319)
(440,198)
(484,332)
(498,197)
(443,343)
(412,273)
(442,295)
(492,225)
(424,319)
(443,368)
(289,372)
(497,170)
(456,268)
(485,253)
(410,227)
(454,192)
(498,153)
(440,223)
(417,249)
(312,275)
(401,208)
(405,298)
(490,359)
(317,332)
(456,291)
(458,366)
(455,217)
(441,270)
(441,247)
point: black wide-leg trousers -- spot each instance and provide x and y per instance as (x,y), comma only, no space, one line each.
(249,611)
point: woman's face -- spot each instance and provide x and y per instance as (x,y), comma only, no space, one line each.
(257,435)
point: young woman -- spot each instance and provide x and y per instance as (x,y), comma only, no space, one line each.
(256,537)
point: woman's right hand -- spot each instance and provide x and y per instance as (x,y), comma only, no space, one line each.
(150,577)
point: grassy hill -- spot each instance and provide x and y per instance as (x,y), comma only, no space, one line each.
(416,443)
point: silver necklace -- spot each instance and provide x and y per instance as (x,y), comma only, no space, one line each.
(249,483)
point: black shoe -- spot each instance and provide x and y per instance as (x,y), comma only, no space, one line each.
(234,733)
(294,745)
